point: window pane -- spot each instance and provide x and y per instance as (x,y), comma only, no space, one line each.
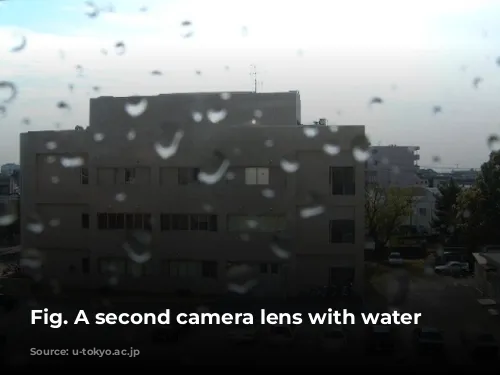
(250,176)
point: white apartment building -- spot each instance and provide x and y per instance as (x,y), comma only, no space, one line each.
(122,200)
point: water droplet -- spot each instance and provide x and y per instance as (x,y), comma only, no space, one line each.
(98,137)
(198,72)
(51,145)
(131,135)
(54,179)
(207,207)
(54,222)
(104,51)
(333,128)
(289,166)
(137,247)
(239,270)
(493,142)
(212,178)
(361,155)
(92,10)
(8,92)
(31,258)
(244,237)
(269,143)
(477,81)
(63,105)
(308,212)
(253,122)
(225,95)
(436,159)
(72,162)
(188,29)
(166,152)
(310,131)
(136,107)
(96,88)
(395,169)
(257,113)
(331,149)
(120,48)
(20,43)
(216,116)
(120,197)
(244,31)
(156,73)
(230,176)
(8,219)
(268,193)
(252,224)
(243,288)
(50,159)
(376,100)
(79,70)
(35,224)
(26,121)
(197,116)
(279,251)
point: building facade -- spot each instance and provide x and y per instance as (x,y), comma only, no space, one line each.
(393,165)
(184,205)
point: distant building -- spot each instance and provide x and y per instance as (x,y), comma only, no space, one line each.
(260,213)
(394,166)
(463,178)
(9,194)
(9,169)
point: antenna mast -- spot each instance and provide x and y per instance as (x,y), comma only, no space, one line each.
(254,75)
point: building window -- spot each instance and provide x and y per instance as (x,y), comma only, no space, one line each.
(269,268)
(184,269)
(260,223)
(192,222)
(342,180)
(85,221)
(422,211)
(209,270)
(124,221)
(84,176)
(85,265)
(186,176)
(342,231)
(256,176)
(129,175)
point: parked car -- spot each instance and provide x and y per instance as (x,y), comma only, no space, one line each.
(395,259)
(381,339)
(281,334)
(243,334)
(480,345)
(429,340)
(453,268)
(333,339)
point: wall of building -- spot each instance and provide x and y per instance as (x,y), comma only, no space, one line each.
(55,197)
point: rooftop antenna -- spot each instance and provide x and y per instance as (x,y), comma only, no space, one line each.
(254,75)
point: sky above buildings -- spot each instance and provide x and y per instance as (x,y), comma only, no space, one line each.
(339,54)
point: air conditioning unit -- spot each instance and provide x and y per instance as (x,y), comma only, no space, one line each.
(322,121)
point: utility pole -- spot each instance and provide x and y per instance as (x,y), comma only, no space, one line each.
(254,75)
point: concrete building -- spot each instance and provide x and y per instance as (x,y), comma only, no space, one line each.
(424,209)
(394,166)
(463,178)
(9,169)
(139,200)
(8,195)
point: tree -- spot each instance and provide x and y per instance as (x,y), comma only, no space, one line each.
(445,222)
(385,211)
(479,206)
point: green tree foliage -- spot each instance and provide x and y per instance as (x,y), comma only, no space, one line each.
(385,211)
(445,222)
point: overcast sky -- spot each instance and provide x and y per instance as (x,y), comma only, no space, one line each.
(339,54)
